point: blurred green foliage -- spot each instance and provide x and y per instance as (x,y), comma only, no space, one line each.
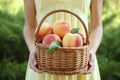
(108,53)
(14,53)
(12,7)
(13,50)
(12,70)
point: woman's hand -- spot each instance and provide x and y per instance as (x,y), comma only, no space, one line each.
(33,61)
(91,63)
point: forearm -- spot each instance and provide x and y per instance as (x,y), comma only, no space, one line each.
(96,29)
(28,33)
(30,23)
(95,38)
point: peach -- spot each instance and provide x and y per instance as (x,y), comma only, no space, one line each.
(45,29)
(48,39)
(72,40)
(61,27)
(81,35)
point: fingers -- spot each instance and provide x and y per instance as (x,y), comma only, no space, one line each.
(34,67)
(91,65)
(33,63)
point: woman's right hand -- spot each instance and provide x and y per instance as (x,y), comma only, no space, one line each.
(33,60)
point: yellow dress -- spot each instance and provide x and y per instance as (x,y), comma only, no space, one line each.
(81,8)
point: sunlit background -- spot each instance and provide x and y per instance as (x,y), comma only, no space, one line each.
(14,53)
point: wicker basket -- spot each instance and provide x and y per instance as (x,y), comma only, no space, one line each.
(64,60)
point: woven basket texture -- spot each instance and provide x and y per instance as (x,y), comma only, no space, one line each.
(64,60)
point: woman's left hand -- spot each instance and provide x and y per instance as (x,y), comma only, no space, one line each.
(91,63)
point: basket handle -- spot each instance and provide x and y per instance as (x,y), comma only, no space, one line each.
(62,10)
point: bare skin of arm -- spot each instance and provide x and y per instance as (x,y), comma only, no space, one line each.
(29,30)
(95,31)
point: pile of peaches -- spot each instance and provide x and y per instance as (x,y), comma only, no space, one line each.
(60,31)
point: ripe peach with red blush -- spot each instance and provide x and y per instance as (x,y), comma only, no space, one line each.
(48,39)
(45,29)
(72,40)
(61,27)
